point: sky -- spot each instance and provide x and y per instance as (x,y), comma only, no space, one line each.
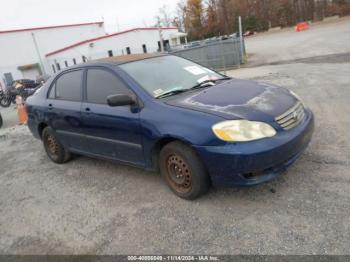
(118,15)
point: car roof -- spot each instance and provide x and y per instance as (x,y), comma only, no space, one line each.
(118,60)
(114,60)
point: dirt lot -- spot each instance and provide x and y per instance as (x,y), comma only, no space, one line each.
(326,38)
(92,206)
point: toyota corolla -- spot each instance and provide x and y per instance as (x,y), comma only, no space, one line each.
(162,112)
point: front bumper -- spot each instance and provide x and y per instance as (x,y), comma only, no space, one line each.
(256,162)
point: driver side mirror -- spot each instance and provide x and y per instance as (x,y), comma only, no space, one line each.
(121,100)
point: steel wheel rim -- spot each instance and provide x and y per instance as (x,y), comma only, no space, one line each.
(179,174)
(52,145)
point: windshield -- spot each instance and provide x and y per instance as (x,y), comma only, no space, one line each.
(161,75)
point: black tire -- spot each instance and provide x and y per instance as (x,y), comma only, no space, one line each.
(183,171)
(5,101)
(54,149)
(0,121)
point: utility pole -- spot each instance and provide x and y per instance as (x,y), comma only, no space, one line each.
(241,37)
(160,36)
(38,53)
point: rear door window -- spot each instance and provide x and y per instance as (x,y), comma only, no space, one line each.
(101,84)
(68,86)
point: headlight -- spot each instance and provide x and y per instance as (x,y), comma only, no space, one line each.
(242,130)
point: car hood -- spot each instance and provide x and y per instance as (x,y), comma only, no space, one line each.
(238,99)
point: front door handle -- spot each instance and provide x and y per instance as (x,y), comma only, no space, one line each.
(87,109)
(50,106)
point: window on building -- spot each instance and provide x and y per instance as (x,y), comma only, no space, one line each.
(128,51)
(68,86)
(144,47)
(110,53)
(83,58)
(101,84)
(58,66)
(74,61)
(66,63)
(54,69)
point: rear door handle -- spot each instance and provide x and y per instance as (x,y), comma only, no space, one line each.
(87,109)
(50,106)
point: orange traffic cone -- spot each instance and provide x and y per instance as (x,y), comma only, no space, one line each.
(22,114)
(301,26)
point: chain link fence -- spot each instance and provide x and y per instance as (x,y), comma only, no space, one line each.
(221,55)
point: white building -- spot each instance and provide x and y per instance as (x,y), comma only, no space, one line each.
(22,51)
(134,41)
(28,53)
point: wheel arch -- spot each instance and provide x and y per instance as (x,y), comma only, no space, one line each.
(41,127)
(161,143)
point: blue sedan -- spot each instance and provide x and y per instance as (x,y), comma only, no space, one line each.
(162,112)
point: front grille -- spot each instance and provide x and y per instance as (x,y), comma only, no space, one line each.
(292,117)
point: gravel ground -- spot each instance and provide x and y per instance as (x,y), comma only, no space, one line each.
(91,206)
(9,116)
(321,39)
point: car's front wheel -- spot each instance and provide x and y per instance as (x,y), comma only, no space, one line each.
(54,149)
(183,171)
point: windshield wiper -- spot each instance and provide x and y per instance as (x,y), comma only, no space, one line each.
(172,92)
(205,83)
(200,85)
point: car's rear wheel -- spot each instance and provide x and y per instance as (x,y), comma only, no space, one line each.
(54,149)
(183,171)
